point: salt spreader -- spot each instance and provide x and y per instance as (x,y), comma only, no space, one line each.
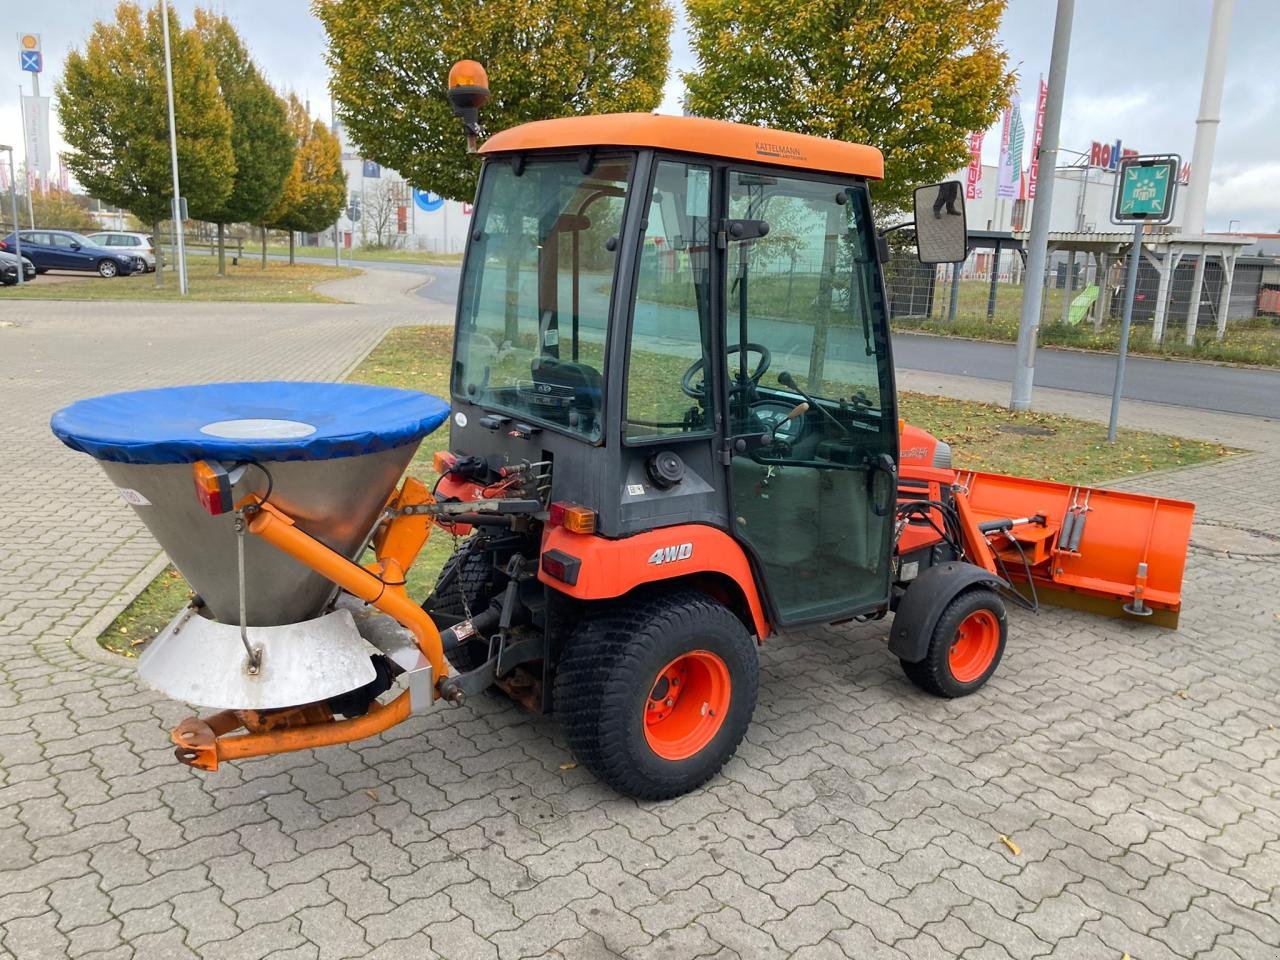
(674,433)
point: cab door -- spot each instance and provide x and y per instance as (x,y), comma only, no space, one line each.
(808,387)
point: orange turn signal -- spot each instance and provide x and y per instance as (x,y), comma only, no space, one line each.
(213,486)
(573,517)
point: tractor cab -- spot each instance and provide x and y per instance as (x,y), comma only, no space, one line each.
(686,320)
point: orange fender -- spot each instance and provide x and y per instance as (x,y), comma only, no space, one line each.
(612,568)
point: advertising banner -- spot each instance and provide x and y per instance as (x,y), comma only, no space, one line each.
(973,179)
(1037,137)
(1017,138)
(1004,172)
(35,126)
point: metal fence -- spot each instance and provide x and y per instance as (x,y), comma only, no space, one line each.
(1077,290)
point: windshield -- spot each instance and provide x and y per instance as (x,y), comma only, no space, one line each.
(534,308)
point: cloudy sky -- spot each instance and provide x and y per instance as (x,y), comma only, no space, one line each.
(1135,73)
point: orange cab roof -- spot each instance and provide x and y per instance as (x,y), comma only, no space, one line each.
(713,138)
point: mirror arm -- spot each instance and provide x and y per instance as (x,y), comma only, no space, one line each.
(885,231)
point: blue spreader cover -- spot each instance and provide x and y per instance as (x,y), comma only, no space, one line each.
(269,420)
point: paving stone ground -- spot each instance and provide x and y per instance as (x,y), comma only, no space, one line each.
(1136,769)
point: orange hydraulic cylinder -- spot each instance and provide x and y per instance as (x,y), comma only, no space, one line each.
(279,531)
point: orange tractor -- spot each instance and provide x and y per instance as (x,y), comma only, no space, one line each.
(673,433)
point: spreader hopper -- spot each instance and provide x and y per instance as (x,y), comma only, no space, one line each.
(325,456)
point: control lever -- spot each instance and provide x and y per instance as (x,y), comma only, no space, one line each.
(799,410)
(787,380)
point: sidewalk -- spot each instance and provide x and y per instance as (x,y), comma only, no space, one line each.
(1137,770)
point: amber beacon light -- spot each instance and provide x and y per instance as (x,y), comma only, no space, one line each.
(468,92)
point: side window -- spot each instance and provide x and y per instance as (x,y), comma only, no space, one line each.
(61,241)
(668,386)
(805,292)
(536,290)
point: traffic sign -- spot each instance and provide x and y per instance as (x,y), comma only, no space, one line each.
(30,58)
(1145,189)
(427,201)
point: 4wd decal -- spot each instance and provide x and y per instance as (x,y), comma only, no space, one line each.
(681,551)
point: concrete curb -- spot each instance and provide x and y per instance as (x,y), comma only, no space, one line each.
(85,641)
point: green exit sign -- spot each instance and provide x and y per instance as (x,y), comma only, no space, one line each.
(1145,188)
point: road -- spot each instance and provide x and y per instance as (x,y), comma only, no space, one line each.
(443,287)
(1202,386)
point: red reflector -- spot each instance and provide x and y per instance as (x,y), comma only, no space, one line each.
(561,566)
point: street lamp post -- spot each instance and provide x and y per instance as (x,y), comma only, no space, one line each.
(173,154)
(1038,242)
(13,195)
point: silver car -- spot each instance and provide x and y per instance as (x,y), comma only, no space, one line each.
(138,244)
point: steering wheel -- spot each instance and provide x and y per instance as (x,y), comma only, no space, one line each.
(753,380)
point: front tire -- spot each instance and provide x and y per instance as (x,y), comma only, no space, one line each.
(107,268)
(655,693)
(965,648)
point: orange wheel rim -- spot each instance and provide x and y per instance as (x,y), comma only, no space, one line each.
(686,705)
(975,645)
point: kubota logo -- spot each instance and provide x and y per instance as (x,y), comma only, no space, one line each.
(681,551)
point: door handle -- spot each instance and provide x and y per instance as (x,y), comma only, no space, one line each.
(882,484)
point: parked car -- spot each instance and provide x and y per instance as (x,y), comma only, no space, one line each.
(67,250)
(138,244)
(9,269)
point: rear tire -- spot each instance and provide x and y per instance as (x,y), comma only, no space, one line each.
(966,646)
(107,268)
(655,693)
(474,582)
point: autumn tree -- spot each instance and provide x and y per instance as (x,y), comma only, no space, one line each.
(381,206)
(114,115)
(390,61)
(316,188)
(912,77)
(260,135)
(63,210)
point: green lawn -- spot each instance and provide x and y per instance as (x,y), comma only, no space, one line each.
(983,437)
(278,283)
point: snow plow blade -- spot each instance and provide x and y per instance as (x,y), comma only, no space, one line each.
(1106,551)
